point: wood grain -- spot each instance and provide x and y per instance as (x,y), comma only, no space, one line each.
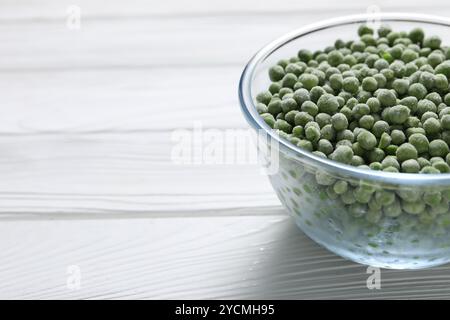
(190,258)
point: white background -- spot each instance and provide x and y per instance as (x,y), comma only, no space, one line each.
(86,178)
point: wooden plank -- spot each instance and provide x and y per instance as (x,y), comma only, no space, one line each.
(48,9)
(119,173)
(119,100)
(189,258)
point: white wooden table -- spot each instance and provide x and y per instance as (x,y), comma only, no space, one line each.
(91,205)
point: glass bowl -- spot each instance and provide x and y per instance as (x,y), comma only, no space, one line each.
(384,219)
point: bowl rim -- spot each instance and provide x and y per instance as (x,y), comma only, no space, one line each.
(249,109)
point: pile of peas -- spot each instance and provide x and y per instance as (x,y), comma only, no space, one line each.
(381,102)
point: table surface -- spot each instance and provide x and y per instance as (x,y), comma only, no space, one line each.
(92,204)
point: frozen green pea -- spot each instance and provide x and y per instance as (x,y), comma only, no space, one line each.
(343,154)
(309,80)
(289,80)
(380,127)
(432,126)
(417,90)
(410,166)
(369,84)
(410,102)
(423,162)
(340,187)
(366,122)
(374,104)
(445,122)
(328,103)
(283,126)
(298,131)
(443,68)
(416,35)
(284,91)
(391,149)
(405,152)
(427,80)
(375,166)
(305,144)
(375,155)
(264,97)
(301,96)
(294,68)
(348,197)
(339,121)
(345,135)
(343,143)
(310,108)
(385,140)
(261,108)
(336,81)
(441,166)
(316,92)
(302,118)
(438,148)
(432,42)
(325,146)
(390,161)
(305,55)
(312,133)
(327,132)
(288,104)
(386,98)
(361,195)
(357,161)
(324,179)
(397,137)
(360,110)
(436,159)
(419,141)
(269,119)
(276,73)
(429,170)
(323,119)
(398,114)
(413,207)
(335,58)
(390,169)
(351,84)
(401,86)
(367,140)
(290,117)
(427,115)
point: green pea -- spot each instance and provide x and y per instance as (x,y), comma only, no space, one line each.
(416,35)
(305,55)
(401,86)
(340,187)
(385,140)
(397,137)
(398,114)
(328,103)
(339,121)
(309,80)
(343,154)
(351,84)
(305,144)
(410,166)
(367,140)
(312,134)
(276,73)
(417,90)
(302,118)
(438,148)
(386,98)
(406,151)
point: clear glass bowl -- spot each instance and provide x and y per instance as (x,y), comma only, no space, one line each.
(406,223)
